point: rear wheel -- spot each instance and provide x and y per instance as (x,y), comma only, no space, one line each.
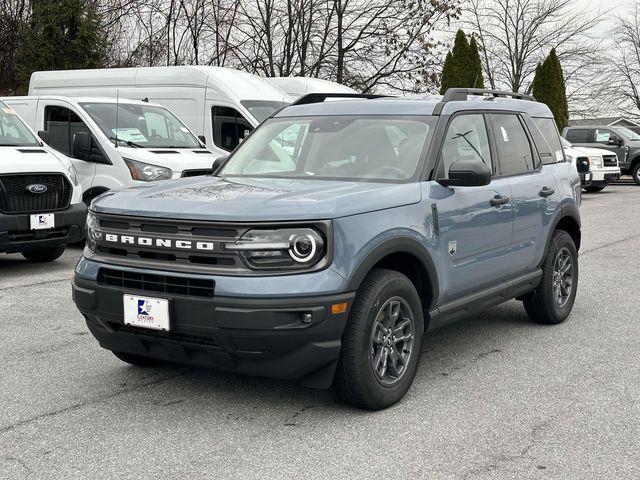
(552,301)
(43,255)
(138,360)
(381,344)
(594,189)
(635,173)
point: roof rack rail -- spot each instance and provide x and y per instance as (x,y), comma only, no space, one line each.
(460,94)
(321,97)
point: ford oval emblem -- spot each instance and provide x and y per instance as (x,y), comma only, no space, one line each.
(37,188)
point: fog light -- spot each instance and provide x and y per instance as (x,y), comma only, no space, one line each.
(307,318)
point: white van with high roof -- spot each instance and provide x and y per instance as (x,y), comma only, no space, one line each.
(221,105)
(115,142)
(296,87)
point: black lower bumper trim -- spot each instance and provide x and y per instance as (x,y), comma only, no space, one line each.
(16,234)
(287,338)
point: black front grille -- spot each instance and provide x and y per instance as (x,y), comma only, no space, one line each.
(192,287)
(610,160)
(16,198)
(197,173)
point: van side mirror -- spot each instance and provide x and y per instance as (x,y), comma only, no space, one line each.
(81,145)
(467,173)
(44,135)
(218,163)
(202,139)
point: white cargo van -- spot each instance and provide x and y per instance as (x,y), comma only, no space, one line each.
(295,87)
(220,105)
(115,147)
(41,208)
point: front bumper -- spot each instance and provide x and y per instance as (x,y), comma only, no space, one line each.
(16,234)
(604,176)
(263,337)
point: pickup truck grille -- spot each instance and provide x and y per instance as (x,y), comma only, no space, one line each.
(610,160)
(16,198)
(178,245)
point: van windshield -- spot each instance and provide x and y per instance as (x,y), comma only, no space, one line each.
(145,126)
(13,132)
(341,148)
(260,110)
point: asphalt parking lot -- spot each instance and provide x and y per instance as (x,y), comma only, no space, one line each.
(495,396)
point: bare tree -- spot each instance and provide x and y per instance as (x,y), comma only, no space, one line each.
(514,35)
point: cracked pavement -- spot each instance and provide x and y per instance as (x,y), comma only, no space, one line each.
(495,397)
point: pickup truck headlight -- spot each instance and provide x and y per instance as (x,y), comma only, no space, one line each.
(146,172)
(595,161)
(284,248)
(93,233)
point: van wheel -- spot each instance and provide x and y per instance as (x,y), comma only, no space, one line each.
(43,255)
(635,173)
(594,189)
(381,343)
(137,360)
(552,301)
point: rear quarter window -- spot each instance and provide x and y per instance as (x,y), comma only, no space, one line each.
(553,149)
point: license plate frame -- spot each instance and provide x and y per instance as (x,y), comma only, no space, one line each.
(42,221)
(151,313)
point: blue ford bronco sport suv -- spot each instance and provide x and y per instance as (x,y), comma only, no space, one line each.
(335,237)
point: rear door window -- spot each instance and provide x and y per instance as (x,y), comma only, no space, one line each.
(514,149)
(579,135)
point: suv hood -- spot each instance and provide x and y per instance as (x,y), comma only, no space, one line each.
(256,199)
(29,160)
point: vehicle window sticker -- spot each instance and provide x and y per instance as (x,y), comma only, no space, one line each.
(505,136)
(129,135)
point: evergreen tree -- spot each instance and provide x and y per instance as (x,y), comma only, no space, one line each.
(549,88)
(476,78)
(462,67)
(64,34)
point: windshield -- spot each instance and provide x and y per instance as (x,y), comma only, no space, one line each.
(628,134)
(260,110)
(345,147)
(13,132)
(143,126)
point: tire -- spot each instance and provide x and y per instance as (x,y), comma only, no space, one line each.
(635,173)
(548,303)
(594,189)
(383,292)
(137,360)
(43,255)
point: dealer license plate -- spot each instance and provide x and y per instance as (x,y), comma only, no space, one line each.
(146,312)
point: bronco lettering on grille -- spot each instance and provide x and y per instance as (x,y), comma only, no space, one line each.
(159,242)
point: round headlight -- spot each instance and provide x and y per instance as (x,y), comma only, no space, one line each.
(303,248)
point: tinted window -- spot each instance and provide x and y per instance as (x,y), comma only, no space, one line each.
(512,143)
(579,135)
(61,124)
(466,138)
(547,127)
(344,147)
(229,127)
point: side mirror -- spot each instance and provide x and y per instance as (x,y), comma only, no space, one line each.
(218,163)
(44,135)
(202,139)
(467,173)
(81,145)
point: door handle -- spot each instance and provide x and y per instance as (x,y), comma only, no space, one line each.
(546,192)
(498,200)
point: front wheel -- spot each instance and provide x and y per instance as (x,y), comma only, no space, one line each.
(381,344)
(43,255)
(552,301)
(635,173)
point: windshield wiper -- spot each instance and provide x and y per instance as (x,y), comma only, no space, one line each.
(127,142)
